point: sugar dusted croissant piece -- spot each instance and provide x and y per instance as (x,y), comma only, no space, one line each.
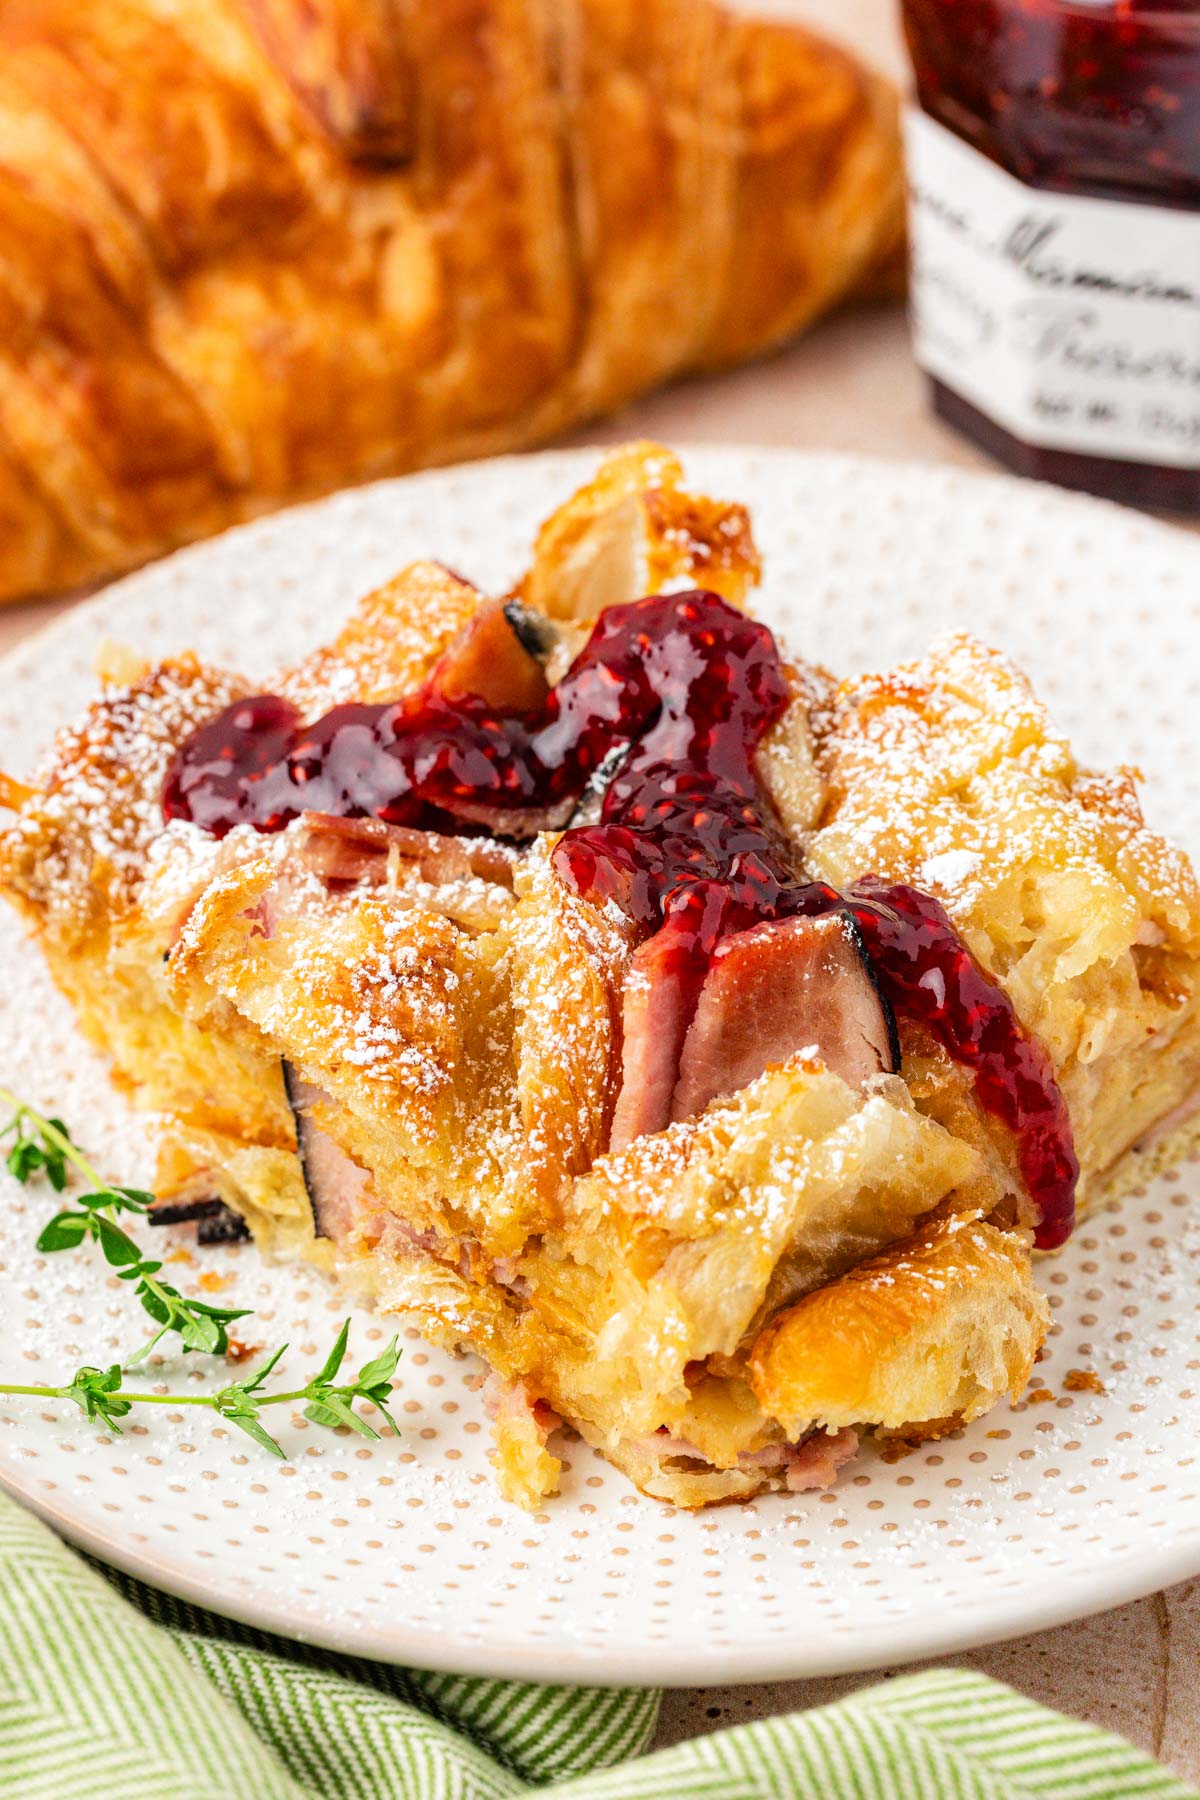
(256,249)
(405,1055)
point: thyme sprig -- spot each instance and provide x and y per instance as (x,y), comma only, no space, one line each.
(42,1145)
(101,1395)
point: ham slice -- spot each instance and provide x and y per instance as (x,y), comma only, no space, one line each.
(660,993)
(340,849)
(335,1184)
(816,1463)
(516,822)
(774,990)
(689,1035)
(489,661)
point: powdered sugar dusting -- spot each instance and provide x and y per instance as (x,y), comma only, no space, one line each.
(949,872)
(1092,1493)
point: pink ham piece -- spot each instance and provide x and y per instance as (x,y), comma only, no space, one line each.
(774,990)
(336,1185)
(509,1402)
(340,849)
(659,999)
(816,1463)
(488,661)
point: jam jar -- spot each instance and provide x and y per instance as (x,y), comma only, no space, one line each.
(1054,174)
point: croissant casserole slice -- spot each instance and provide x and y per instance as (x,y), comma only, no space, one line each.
(702,1041)
(252,250)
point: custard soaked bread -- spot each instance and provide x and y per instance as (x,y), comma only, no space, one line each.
(947,773)
(469,1071)
(701,1042)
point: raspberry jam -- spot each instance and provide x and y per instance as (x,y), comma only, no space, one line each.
(681,688)
(1055,175)
(928,973)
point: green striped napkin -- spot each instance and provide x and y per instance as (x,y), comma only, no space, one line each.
(112,1691)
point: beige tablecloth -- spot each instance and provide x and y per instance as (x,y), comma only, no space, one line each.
(852,386)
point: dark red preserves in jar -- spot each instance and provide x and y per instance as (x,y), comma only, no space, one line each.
(1054,165)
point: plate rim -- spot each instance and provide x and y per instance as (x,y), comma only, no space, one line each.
(575,1665)
(918,1636)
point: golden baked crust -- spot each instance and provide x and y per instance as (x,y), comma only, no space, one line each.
(947,773)
(76,859)
(636,529)
(929,1334)
(252,250)
(398,1054)
(389,643)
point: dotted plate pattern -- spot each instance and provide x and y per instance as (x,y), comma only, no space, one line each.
(403,1549)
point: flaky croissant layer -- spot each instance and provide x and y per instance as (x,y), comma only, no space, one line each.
(252,250)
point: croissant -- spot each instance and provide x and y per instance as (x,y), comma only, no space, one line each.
(251,250)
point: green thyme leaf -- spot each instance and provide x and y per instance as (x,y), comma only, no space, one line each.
(96,1393)
(128,1199)
(333,1408)
(333,1361)
(251,1424)
(199,1333)
(119,1249)
(255,1381)
(63,1232)
(379,1372)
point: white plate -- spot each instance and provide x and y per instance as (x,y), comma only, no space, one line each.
(403,1550)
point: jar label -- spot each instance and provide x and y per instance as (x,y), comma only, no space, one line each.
(1073,323)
